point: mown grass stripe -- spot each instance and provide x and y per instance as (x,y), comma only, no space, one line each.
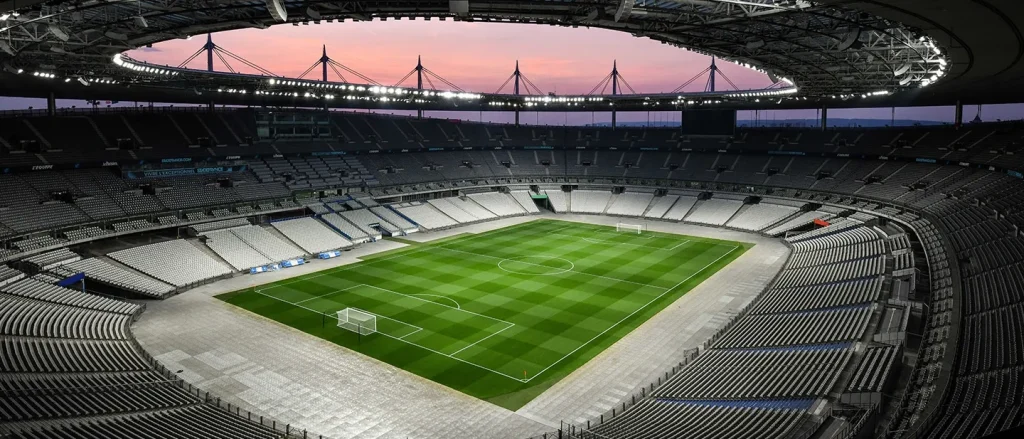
(552,323)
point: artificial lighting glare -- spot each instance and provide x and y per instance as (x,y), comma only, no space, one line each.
(923,80)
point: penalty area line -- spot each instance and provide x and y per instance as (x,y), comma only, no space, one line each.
(330,293)
(610,242)
(401,339)
(485,338)
(403,251)
(457,306)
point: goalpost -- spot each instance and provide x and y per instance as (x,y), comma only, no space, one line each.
(630,228)
(358,321)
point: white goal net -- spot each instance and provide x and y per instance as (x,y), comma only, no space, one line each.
(629,228)
(360,322)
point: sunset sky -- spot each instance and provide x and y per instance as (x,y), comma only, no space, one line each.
(475,56)
(479,57)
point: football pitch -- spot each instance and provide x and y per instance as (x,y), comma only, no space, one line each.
(500,315)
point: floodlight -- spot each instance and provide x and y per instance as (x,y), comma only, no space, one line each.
(116,35)
(624,9)
(59,31)
(83,81)
(277,10)
(851,40)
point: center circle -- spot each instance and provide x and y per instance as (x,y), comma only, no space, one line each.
(536,265)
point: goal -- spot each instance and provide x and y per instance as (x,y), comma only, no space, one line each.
(358,321)
(630,228)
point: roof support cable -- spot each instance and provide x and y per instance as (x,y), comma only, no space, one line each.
(336,72)
(310,69)
(219,55)
(529,84)
(442,80)
(194,56)
(510,77)
(245,61)
(368,80)
(407,75)
(602,85)
(622,79)
(734,87)
(691,80)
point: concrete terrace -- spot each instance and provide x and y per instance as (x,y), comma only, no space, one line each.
(277,371)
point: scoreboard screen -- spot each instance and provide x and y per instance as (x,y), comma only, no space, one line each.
(709,122)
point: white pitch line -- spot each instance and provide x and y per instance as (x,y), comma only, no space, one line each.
(545,266)
(632,313)
(428,247)
(435,303)
(348,266)
(418,329)
(454,358)
(485,338)
(603,241)
(331,293)
(439,297)
(403,251)
(559,229)
(680,244)
(405,341)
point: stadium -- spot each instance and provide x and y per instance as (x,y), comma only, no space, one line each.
(270,256)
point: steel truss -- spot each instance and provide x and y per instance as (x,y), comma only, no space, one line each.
(825,50)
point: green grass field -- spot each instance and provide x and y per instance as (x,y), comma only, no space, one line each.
(500,315)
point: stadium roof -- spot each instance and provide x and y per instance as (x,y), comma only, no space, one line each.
(896,52)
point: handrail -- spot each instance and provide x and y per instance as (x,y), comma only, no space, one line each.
(714,186)
(589,434)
